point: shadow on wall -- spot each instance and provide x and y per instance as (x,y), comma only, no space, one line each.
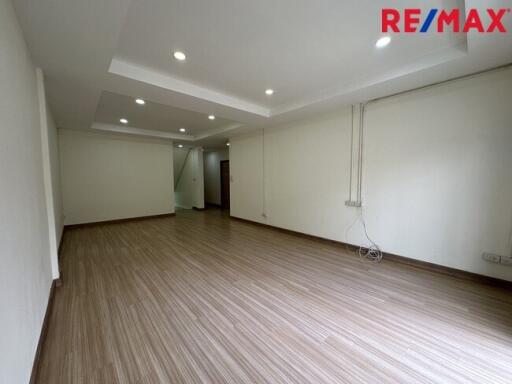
(188,177)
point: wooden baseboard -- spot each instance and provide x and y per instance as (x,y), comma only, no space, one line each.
(457,273)
(117,221)
(296,233)
(44,332)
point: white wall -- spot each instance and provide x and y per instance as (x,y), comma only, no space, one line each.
(189,190)
(437,174)
(246,172)
(25,274)
(51,171)
(53,142)
(306,176)
(109,177)
(212,188)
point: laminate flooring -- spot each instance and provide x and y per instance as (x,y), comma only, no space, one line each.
(201,298)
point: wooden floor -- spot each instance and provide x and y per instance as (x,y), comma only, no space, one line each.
(200,298)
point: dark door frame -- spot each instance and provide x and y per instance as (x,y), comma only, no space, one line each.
(223,206)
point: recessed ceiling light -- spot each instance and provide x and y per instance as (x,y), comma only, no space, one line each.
(182,129)
(124,121)
(140,101)
(211,117)
(180,145)
(383,41)
(269,92)
(228,144)
(178,55)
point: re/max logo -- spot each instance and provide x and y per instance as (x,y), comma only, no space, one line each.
(491,21)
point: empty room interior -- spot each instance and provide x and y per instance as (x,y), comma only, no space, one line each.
(234,191)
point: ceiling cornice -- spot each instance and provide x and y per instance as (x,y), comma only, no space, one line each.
(160,134)
(140,132)
(151,77)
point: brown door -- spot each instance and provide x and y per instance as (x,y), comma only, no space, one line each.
(224,184)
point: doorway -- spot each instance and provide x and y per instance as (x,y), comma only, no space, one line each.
(224,184)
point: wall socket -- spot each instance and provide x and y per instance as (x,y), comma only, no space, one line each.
(491,257)
(497,259)
(506,261)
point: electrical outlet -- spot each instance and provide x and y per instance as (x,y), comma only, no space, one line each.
(491,257)
(506,261)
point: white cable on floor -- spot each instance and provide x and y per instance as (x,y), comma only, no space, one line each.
(372,251)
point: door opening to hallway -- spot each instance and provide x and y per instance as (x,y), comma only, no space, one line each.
(224,184)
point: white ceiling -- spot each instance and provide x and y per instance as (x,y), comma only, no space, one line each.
(317,55)
(300,48)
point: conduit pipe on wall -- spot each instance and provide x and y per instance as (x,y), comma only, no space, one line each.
(264,200)
(361,151)
(370,252)
(356,156)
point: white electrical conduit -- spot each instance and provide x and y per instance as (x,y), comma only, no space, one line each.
(351,157)
(360,160)
(264,200)
(370,251)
